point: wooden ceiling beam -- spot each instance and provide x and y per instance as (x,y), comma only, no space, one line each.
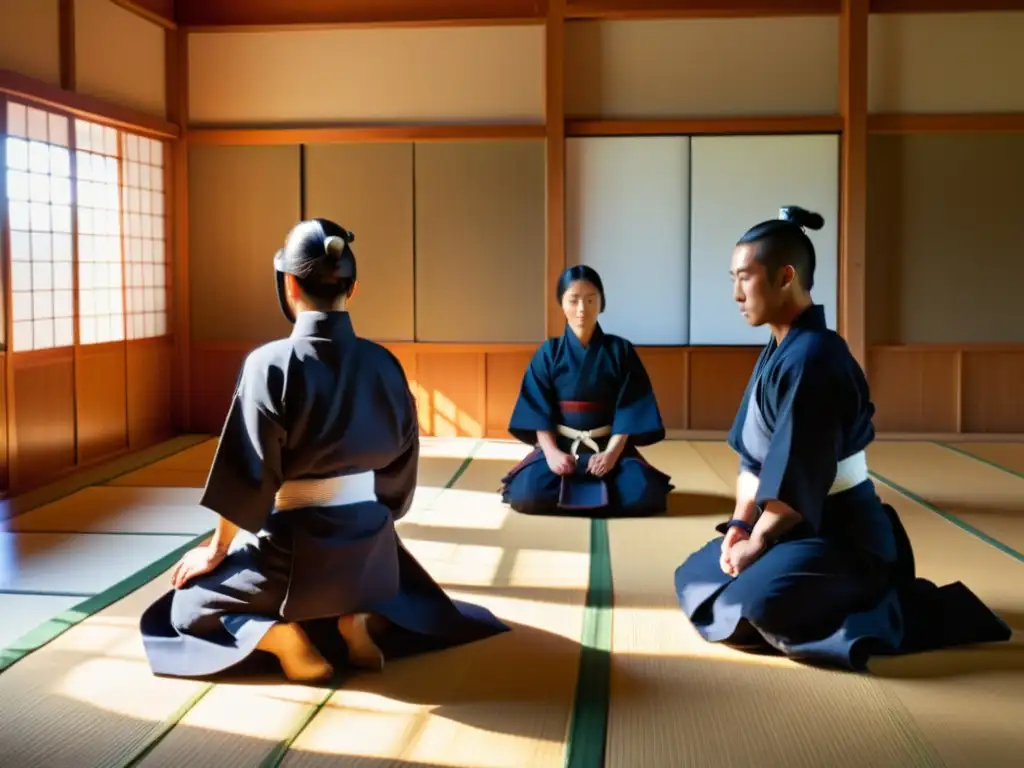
(160,12)
(286,13)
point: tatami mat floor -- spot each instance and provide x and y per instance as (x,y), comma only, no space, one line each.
(601,669)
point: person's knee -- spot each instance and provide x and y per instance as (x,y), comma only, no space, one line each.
(186,615)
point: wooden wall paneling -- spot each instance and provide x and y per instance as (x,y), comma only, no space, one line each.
(150,367)
(44,415)
(717,379)
(505,372)
(215,367)
(554,115)
(667,368)
(853,98)
(454,386)
(101,402)
(914,389)
(991,389)
(30,39)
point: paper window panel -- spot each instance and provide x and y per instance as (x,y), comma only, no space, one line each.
(38,179)
(145,228)
(97,183)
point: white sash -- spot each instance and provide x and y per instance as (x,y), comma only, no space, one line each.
(326,492)
(584,437)
(850,472)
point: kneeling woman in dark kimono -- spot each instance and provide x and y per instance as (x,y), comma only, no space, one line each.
(812,565)
(585,404)
(316,462)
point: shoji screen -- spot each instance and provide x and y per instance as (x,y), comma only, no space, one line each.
(627,201)
(738,181)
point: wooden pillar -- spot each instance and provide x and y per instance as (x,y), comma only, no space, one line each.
(177,176)
(853,98)
(66,36)
(554,68)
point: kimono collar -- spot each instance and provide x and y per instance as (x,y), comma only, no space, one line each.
(575,340)
(327,325)
(812,318)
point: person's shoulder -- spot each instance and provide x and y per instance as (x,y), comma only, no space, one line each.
(376,354)
(820,352)
(268,354)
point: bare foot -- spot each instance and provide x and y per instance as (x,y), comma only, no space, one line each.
(362,650)
(300,660)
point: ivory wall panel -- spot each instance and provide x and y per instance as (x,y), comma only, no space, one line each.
(368,189)
(626,215)
(242,203)
(480,241)
(30,38)
(946,62)
(702,67)
(120,57)
(739,181)
(372,75)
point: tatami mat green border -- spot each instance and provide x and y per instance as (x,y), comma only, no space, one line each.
(103,473)
(950,517)
(966,452)
(57,626)
(588,730)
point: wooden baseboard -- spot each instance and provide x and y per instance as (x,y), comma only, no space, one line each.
(925,392)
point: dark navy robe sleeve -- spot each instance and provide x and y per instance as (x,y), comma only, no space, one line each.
(536,408)
(247,469)
(803,454)
(395,484)
(636,409)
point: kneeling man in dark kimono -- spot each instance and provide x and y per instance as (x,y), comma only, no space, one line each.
(316,462)
(812,564)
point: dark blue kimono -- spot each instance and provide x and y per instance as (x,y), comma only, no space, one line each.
(319,404)
(840,586)
(601,385)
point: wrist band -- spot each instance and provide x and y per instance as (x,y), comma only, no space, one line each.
(741,525)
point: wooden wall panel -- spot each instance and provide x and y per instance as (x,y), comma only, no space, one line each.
(991,390)
(470,389)
(150,376)
(718,376)
(454,385)
(668,369)
(504,379)
(102,400)
(914,389)
(214,373)
(44,415)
